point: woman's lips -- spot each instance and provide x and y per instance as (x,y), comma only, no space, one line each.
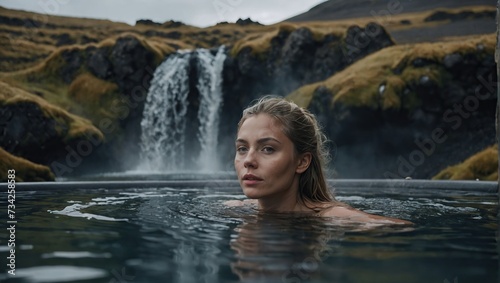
(250,179)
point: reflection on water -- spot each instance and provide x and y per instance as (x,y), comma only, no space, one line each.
(279,247)
(188,235)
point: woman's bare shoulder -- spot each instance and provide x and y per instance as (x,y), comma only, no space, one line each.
(352,214)
(236,203)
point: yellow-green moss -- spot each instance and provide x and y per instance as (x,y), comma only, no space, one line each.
(25,170)
(92,94)
(48,70)
(86,95)
(359,84)
(258,43)
(481,166)
(303,96)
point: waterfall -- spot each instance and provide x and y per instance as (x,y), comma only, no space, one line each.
(210,88)
(165,118)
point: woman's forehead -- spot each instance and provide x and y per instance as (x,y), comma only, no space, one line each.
(260,124)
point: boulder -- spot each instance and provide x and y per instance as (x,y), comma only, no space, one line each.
(147,22)
(24,170)
(247,21)
(40,132)
(99,64)
(482,166)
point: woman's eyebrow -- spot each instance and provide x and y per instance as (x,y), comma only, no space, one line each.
(267,139)
(262,140)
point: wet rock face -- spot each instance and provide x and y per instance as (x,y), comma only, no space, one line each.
(247,21)
(25,171)
(127,63)
(296,58)
(99,64)
(360,42)
(73,60)
(131,66)
(129,60)
(26,132)
(454,119)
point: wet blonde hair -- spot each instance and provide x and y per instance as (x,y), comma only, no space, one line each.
(302,128)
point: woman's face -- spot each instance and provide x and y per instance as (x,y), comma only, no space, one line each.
(266,161)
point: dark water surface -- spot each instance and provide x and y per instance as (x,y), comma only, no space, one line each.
(163,234)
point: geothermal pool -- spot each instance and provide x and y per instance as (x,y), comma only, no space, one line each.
(179,230)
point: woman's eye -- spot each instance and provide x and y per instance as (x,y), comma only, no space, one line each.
(241,149)
(268,149)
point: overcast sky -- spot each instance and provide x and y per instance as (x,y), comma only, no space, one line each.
(200,13)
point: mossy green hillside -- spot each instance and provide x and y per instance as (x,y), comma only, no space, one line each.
(383,79)
(481,166)
(260,43)
(69,127)
(86,95)
(24,170)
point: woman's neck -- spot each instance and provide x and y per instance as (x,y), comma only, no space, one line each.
(283,203)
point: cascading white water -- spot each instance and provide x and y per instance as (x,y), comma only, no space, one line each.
(210,87)
(163,122)
(165,112)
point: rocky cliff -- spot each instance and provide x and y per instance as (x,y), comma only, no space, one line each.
(406,111)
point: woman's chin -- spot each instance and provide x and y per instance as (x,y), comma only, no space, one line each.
(252,193)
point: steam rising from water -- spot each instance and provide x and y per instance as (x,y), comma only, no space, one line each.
(164,120)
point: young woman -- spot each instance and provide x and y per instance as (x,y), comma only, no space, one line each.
(280,155)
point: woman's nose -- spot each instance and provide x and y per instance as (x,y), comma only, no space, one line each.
(250,160)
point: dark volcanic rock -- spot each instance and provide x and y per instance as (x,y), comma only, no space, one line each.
(99,64)
(247,21)
(359,42)
(173,24)
(130,61)
(451,60)
(29,133)
(131,67)
(295,59)
(72,63)
(147,22)
(27,23)
(63,39)
(453,119)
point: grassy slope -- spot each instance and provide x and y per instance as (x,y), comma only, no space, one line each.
(77,127)
(24,46)
(87,95)
(261,42)
(378,70)
(396,24)
(24,170)
(340,9)
(481,166)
